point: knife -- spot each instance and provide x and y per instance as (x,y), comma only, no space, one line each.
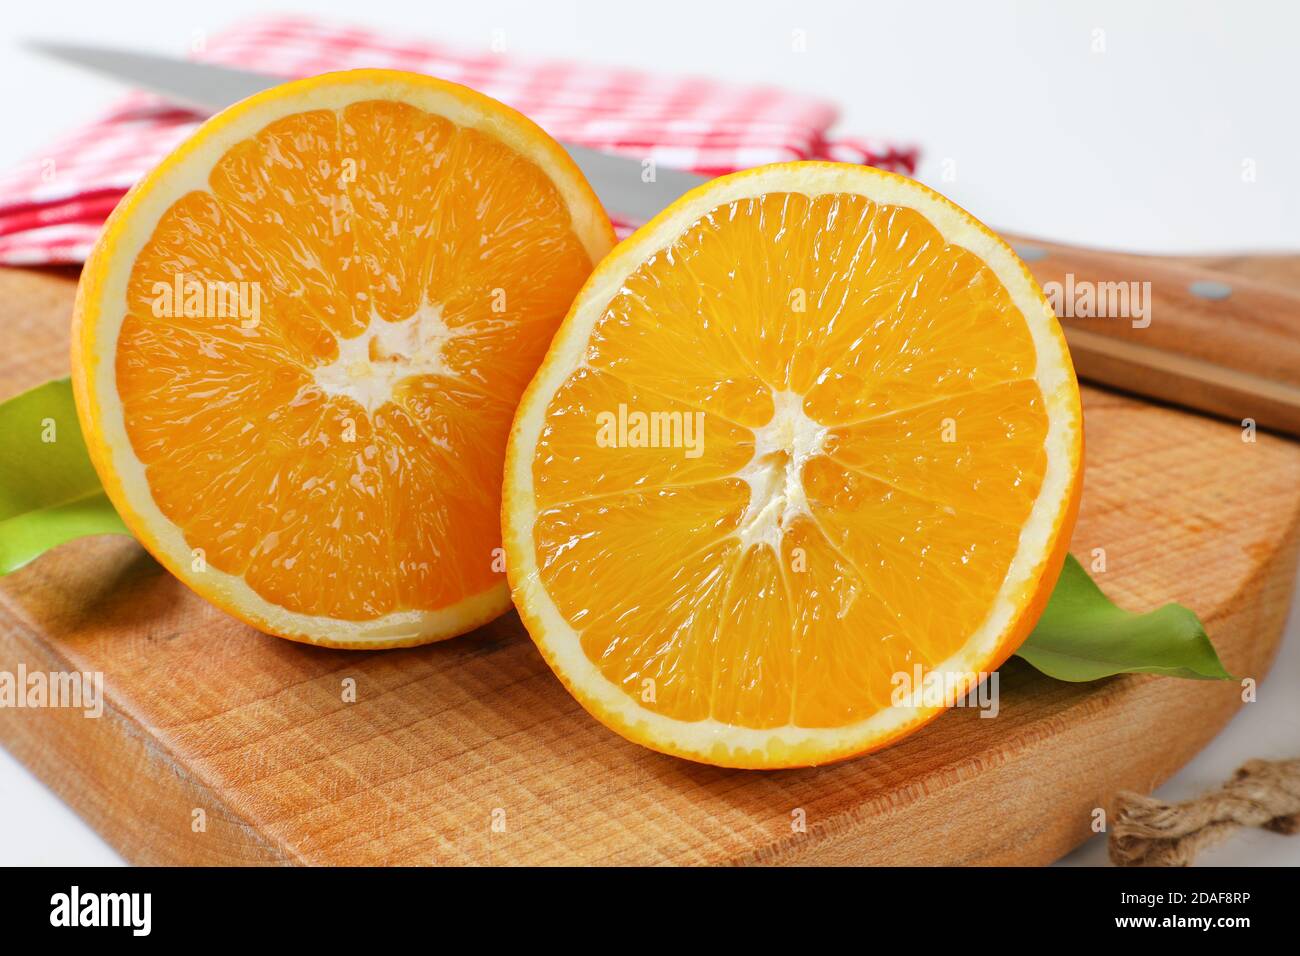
(1216,342)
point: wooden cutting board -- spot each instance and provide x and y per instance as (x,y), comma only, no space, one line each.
(444,741)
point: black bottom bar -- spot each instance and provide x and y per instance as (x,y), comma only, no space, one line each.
(333,906)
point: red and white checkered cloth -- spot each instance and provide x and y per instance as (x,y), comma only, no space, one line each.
(52,207)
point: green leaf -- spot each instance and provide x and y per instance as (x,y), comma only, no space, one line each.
(1082,636)
(49,492)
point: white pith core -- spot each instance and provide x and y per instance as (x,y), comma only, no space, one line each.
(370,365)
(774,473)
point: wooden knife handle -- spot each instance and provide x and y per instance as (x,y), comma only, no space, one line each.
(1222,342)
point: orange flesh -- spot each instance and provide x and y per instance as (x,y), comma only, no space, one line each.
(874,389)
(440,262)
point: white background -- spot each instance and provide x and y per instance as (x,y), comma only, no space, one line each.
(1139,147)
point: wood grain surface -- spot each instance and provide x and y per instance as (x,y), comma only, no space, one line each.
(205,714)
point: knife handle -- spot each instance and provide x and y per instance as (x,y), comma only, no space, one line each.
(1221,342)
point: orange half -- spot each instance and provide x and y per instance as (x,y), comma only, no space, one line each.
(798,470)
(299,342)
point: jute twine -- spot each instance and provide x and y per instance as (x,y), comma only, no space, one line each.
(1149,832)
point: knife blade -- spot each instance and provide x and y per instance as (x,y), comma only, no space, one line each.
(623,184)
